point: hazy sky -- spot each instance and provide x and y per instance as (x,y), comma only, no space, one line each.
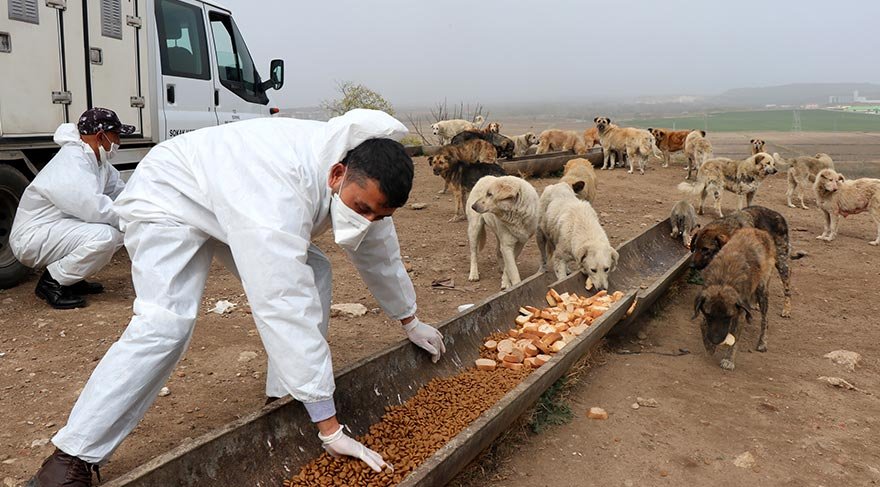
(418,52)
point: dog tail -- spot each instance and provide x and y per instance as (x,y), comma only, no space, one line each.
(692,188)
(798,255)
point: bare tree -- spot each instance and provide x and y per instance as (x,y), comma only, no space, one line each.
(416,124)
(440,111)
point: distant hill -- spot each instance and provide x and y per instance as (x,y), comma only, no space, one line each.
(794,94)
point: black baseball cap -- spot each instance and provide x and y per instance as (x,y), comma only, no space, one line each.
(97,119)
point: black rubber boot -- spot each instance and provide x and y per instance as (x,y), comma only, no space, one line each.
(85,287)
(63,470)
(58,296)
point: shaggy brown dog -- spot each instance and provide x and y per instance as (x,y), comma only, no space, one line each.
(757,146)
(737,278)
(739,177)
(591,137)
(711,238)
(504,146)
(698,150)
(635,143)
(802,173)
(479,151)
(669,141)
(839,197)
(579,174)
(561,140)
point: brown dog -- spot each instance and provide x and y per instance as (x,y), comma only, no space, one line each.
(669,141)
(757,146)
(735,279)
(839,197)
(591,137)
(802,173)
(465,152)
(561,140)
(579,174)
(711,238)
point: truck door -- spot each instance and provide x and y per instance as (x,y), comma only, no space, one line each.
(187,90)
(114,38)
(31,85)
(238,88)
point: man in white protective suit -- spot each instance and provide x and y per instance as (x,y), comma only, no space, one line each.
(254,193)
(65,220)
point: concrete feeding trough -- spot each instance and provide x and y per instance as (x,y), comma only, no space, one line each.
(269,446)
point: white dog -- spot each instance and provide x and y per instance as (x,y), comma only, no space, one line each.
(509,206)
(569,231)
(445,130)
(521,143)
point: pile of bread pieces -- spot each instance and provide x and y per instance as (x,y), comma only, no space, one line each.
(540,333)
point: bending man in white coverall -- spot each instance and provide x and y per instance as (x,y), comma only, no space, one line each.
(65,220)
(261,189)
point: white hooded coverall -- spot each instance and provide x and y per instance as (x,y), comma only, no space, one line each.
(259,187)
(65,219)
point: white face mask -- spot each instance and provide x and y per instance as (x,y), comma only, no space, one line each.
(106,155)
(349,226)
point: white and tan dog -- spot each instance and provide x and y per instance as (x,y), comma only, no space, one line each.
(802,173)
(507,205)
(445,130)
(698,150)
(637,144)
(839,197)
(521,143)
(739,177)
(570,234)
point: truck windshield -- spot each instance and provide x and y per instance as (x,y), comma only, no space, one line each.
(234,62)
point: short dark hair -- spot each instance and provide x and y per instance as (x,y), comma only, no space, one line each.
(386,162)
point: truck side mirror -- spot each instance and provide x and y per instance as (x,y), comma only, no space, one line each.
(276,74)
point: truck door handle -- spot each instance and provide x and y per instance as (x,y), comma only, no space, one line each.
(169,93)
(216,98)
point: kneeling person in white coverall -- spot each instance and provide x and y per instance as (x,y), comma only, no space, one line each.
(261,189)
(65,220)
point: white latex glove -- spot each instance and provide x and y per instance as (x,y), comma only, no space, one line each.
(339,444)
(425,336)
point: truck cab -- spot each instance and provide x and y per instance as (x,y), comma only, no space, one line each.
(165,66)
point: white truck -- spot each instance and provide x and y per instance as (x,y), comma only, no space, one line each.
(165,66)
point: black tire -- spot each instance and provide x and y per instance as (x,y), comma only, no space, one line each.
(12,185)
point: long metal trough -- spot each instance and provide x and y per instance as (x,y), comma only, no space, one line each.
(264,448)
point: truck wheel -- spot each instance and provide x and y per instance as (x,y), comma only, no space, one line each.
(12,185)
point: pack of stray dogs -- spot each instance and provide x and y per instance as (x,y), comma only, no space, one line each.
(736,254)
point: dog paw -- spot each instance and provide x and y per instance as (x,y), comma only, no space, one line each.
(456,219)
(665,165)
(474,277)
(762,347)
(805,207)
(727,364)
(630,171)
(791,206)
(442,191)
(874,242)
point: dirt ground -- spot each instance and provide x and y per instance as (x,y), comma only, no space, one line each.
(800,431)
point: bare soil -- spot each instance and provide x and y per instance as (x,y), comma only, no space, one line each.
(799,430)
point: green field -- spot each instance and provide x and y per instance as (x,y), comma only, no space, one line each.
(767,120)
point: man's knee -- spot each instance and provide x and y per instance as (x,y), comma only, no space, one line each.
(109,239)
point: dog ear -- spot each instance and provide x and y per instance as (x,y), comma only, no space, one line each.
(694,237)
(722,239)
(596,120)
(698,305)
(615,256)
(745,309)
(578,186)
(703,132)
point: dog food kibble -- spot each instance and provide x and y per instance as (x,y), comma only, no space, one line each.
(410,433)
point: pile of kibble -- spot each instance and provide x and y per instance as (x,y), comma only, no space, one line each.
(410,433)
